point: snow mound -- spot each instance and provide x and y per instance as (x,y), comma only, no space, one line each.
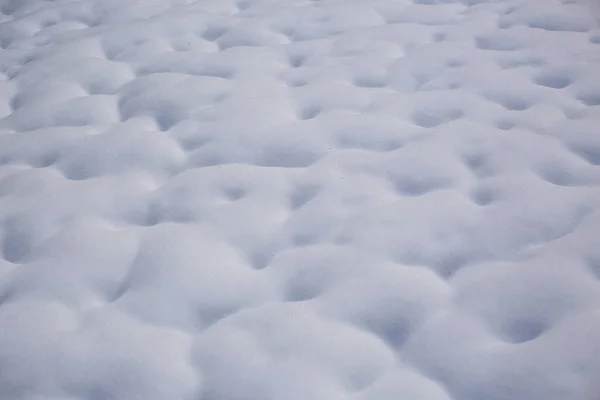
(299,200)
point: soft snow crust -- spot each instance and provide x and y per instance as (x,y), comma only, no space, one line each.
(299,200)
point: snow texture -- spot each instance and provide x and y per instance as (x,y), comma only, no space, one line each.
(299,200)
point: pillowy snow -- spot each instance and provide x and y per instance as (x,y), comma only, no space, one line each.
(299,200)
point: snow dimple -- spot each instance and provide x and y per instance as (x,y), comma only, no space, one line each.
(555,17)
(303,200)
(431,118)
(392,314)
(591,98)
(553,79)
(16,243)
(510,101)
(302,194)
(499,42)
(524,330)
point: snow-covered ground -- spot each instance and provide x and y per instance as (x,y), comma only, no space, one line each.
(299,200)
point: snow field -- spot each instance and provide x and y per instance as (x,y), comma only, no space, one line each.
(299,199)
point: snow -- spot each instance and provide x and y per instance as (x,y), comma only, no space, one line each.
(299,199)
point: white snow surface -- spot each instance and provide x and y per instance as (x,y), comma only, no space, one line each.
(299,200)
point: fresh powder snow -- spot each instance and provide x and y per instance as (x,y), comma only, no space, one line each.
(299,200)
